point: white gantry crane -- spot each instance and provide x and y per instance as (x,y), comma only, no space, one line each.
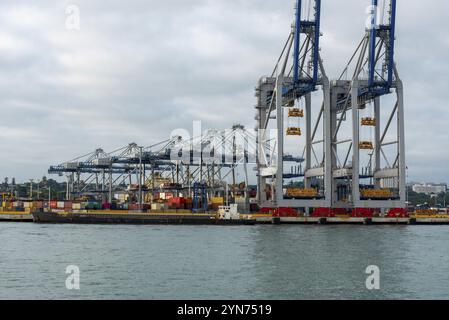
(354,145)
(289,94)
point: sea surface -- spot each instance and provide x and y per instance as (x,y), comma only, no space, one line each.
(209,262)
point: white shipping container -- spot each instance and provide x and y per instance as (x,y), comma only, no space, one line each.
(76,206)
(60,204)
(121,197)
(159,206)
(17,204)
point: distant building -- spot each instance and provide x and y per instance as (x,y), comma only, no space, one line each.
(430,188)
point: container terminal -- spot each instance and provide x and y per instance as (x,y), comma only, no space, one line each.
(341,176)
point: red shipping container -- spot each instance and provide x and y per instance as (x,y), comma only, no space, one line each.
(323,213)
(340,211)
(177,201)
(53,204)
(68,205)
(362,213)
(398,213)
(176,204)
(286,212)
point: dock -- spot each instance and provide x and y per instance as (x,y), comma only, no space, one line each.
(184,217)
(357,221)
(12,216)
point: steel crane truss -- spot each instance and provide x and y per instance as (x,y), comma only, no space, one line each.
(293,80)
(210,159)
(379,91)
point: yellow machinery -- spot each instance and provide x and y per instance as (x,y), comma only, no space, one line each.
(376,193)
(82,199)
(296,113)
(430,214)
(301,193)
(6,196)
(369,122)
(366,145)
(427,212)
(217,200)
(293,131)
(6,200)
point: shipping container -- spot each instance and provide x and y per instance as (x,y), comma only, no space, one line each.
(165,195)
(159,206)
(38,204)
(17,204)
(93,205)
(7,205)
(217,200)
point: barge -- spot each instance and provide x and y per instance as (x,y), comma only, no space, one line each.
(142,218)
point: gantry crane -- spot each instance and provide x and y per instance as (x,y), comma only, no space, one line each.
(380,181)
(298,73)
(174,165)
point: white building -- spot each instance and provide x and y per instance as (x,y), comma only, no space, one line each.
(430,188)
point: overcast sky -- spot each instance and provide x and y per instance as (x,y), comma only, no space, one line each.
(137,69)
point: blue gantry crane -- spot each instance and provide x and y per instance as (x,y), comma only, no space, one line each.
(370,164)
(354,153)
(298,73)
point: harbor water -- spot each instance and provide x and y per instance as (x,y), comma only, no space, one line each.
(212,262)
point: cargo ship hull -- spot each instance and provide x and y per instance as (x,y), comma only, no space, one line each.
(135,219)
